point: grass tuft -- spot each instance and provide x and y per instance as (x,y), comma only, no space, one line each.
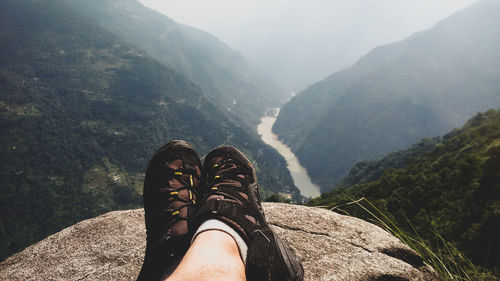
(448,262)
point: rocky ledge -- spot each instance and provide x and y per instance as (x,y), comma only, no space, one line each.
(331,246)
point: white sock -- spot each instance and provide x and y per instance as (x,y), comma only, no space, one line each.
(214,224)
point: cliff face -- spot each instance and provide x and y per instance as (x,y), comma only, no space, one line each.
(331,246)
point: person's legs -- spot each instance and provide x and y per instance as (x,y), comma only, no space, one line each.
(214,256)
(232,240)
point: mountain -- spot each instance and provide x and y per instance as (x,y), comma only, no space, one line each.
(420,87)
(81,113)
(451,187)
(371,170)
(232,83)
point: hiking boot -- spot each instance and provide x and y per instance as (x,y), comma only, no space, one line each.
(170,190)
(231,195)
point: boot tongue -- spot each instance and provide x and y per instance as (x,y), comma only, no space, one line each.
(181,226)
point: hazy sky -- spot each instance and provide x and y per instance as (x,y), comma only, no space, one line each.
(299,42)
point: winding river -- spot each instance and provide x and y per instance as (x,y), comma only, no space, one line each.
(299,174)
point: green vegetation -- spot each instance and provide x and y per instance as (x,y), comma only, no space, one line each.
(371,170)
(222,73)
(82,112)
(444,257)
(448,193)
(423,86)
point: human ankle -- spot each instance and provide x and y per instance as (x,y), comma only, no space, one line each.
(220,240)
(217,225)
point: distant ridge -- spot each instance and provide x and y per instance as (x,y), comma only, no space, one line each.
(230,81)
(420,87)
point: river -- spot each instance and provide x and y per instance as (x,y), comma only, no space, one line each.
(299,174)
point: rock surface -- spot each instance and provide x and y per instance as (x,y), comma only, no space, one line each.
(331,246)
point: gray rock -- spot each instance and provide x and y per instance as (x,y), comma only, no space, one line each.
(331,246)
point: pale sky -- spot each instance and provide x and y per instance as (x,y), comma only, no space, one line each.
(300,42)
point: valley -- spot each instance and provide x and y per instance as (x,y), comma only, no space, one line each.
(90,89)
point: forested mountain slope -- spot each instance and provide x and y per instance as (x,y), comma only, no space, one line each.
(397,94)
(222,73)
(452,188)
(81,113)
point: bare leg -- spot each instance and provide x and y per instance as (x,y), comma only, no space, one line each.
(213,256)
